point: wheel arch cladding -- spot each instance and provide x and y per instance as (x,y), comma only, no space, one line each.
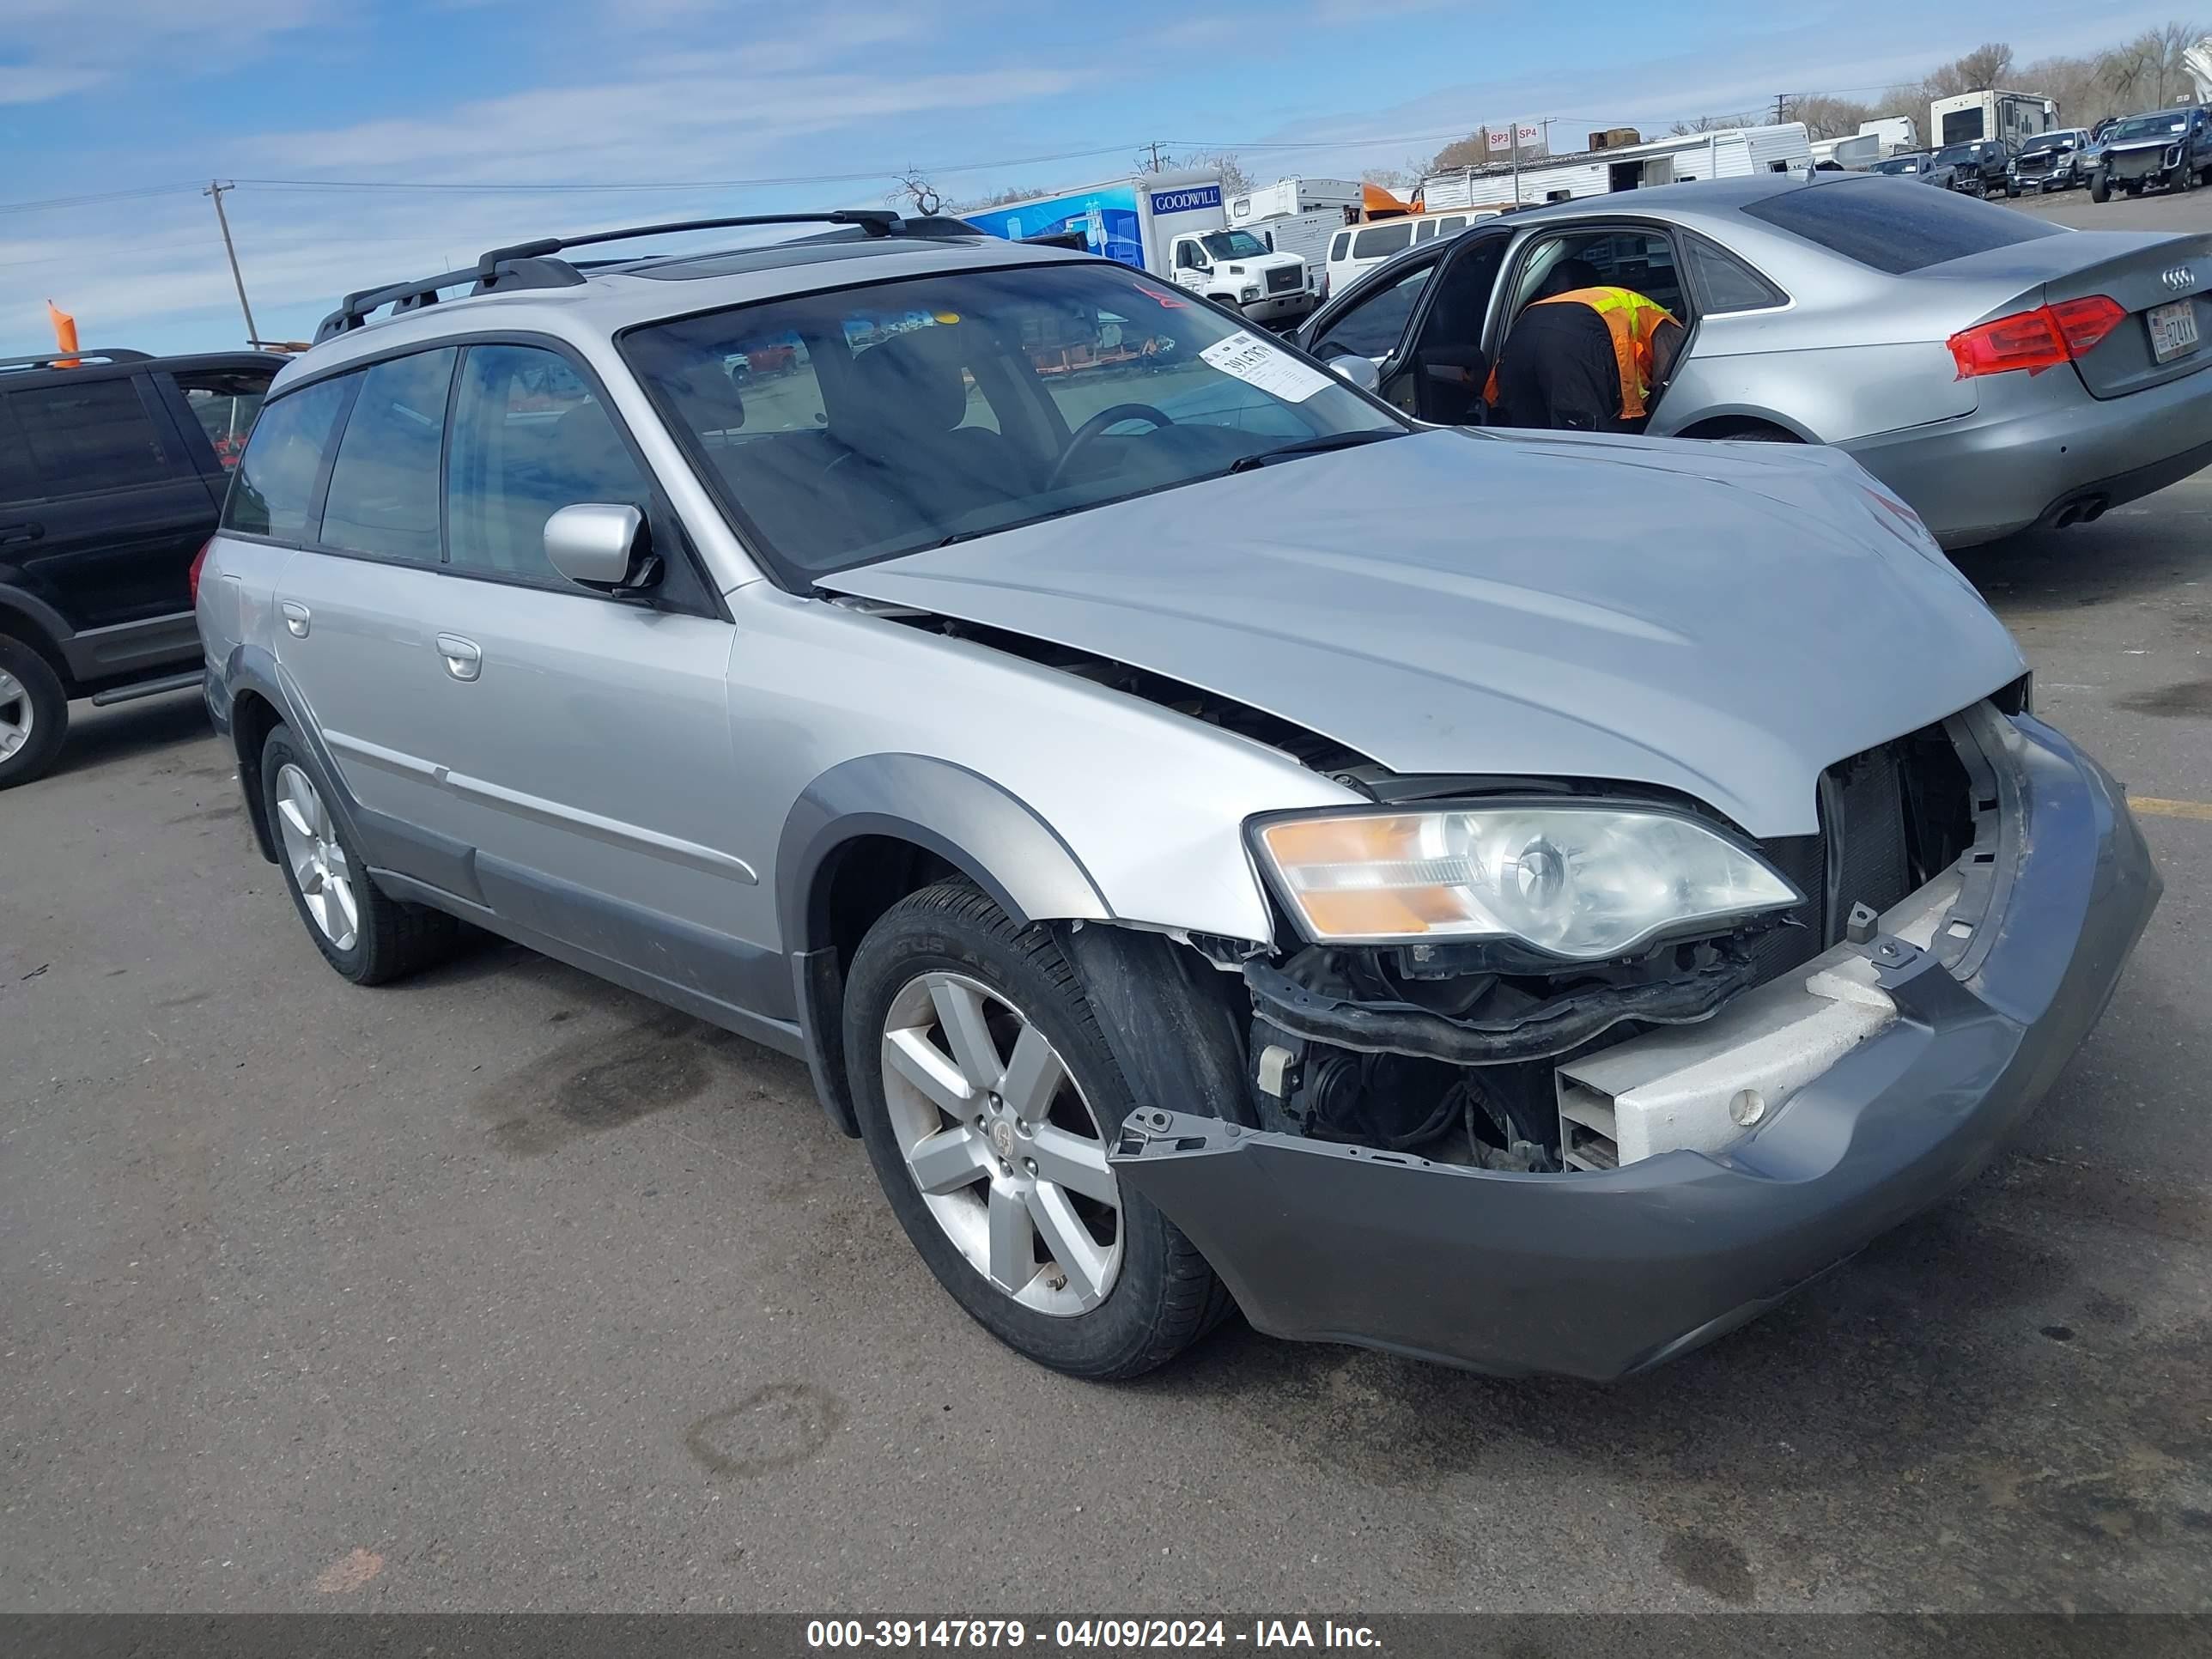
(34,624)
(870,831)
(261,700)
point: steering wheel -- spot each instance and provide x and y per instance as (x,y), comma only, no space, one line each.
(1095,426)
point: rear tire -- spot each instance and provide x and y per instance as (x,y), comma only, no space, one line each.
(1745,431)
(33,712)
(1129,1291)
(366,936)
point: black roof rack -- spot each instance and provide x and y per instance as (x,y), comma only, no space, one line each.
(531,264)
(72,359)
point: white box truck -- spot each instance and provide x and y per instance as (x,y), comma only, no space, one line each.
(1305,235)
(1287,198)
(1173,225)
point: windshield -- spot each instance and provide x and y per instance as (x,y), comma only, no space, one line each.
(1900,164)
(1954,154)
(839,430)
(2049,141)
(1234,245)
(2147,126)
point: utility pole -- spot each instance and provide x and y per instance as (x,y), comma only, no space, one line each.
(216,189)
(1781,105)
(1514,133)
(1154,147)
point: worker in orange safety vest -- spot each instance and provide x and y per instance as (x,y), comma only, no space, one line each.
(1584,355)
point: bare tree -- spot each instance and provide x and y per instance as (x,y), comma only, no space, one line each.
(1471,151)
(1712,124)
(2148,70)
(912,187)
(1986,66)
(1826,116)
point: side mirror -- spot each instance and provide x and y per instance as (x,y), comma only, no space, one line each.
(603,545)
(1356,370)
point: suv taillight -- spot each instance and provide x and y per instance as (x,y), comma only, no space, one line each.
(2036,340)
(192,576)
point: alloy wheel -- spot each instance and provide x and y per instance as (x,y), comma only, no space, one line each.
(1006,1152)
(317,863)
(17,714)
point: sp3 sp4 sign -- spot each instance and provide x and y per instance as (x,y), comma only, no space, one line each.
(1185,201)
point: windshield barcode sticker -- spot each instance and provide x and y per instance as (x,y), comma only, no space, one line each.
(1257,362)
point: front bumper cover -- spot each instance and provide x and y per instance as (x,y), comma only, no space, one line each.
(1600,1275)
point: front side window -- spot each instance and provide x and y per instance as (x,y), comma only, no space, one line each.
(1099,383)
(1371,327)
(383,497)
(273,492)
(91,434)
(224,402)
(530,437)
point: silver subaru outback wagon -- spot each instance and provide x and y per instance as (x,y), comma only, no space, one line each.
(1538,937)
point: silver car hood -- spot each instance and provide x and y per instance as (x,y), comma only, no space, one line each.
(1723,619)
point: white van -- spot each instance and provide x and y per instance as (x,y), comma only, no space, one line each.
(1357,247)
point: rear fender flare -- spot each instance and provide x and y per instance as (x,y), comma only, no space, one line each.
(254,668)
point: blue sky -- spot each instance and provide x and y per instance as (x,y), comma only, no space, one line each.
(99,98)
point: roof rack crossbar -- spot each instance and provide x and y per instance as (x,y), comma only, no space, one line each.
(531,264)
(877,221)
(89,353)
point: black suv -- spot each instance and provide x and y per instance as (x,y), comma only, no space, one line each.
(112,469)
(1980,166)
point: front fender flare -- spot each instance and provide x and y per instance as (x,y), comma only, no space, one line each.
(976,825)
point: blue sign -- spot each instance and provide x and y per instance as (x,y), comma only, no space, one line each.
(1187,201)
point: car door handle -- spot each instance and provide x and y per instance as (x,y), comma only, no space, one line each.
(296,618)
(30,531)
(463,658)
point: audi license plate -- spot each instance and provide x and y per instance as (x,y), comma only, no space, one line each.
(2172,330)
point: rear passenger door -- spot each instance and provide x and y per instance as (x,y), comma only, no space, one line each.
(585,739)
(354,608)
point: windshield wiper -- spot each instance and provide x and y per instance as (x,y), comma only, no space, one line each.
(1319,445)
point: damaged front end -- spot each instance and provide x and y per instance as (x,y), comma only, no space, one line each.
(1479,1152)
(1465,1051)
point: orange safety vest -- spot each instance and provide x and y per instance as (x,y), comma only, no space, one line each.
(1632,319)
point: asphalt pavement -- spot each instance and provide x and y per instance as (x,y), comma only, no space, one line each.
(502,1289)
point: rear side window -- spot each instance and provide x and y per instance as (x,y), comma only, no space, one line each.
(383,497)
(1377,240)
(1726,283)
(273,490)
(528,438)
(1898,227)
(1342,241)
(86,435)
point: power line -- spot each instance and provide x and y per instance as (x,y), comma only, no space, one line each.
(142,191)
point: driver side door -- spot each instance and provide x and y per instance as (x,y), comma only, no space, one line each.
(1374,325)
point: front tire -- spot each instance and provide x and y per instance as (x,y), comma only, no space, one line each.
(366,936)
(988,1099)
(2100,190)
(33,712)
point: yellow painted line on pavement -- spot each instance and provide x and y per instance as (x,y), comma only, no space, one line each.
(2171,809)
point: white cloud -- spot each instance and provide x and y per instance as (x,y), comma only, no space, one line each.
(60,47)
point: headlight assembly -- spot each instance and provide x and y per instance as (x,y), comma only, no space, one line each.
(1580,882)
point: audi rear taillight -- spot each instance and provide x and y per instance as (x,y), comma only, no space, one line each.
(192,576)
(2045,337)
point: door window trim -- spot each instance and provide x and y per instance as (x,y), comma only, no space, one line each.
(1697,244)
(662,510)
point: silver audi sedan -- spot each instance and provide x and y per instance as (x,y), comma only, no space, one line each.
(1995,371)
